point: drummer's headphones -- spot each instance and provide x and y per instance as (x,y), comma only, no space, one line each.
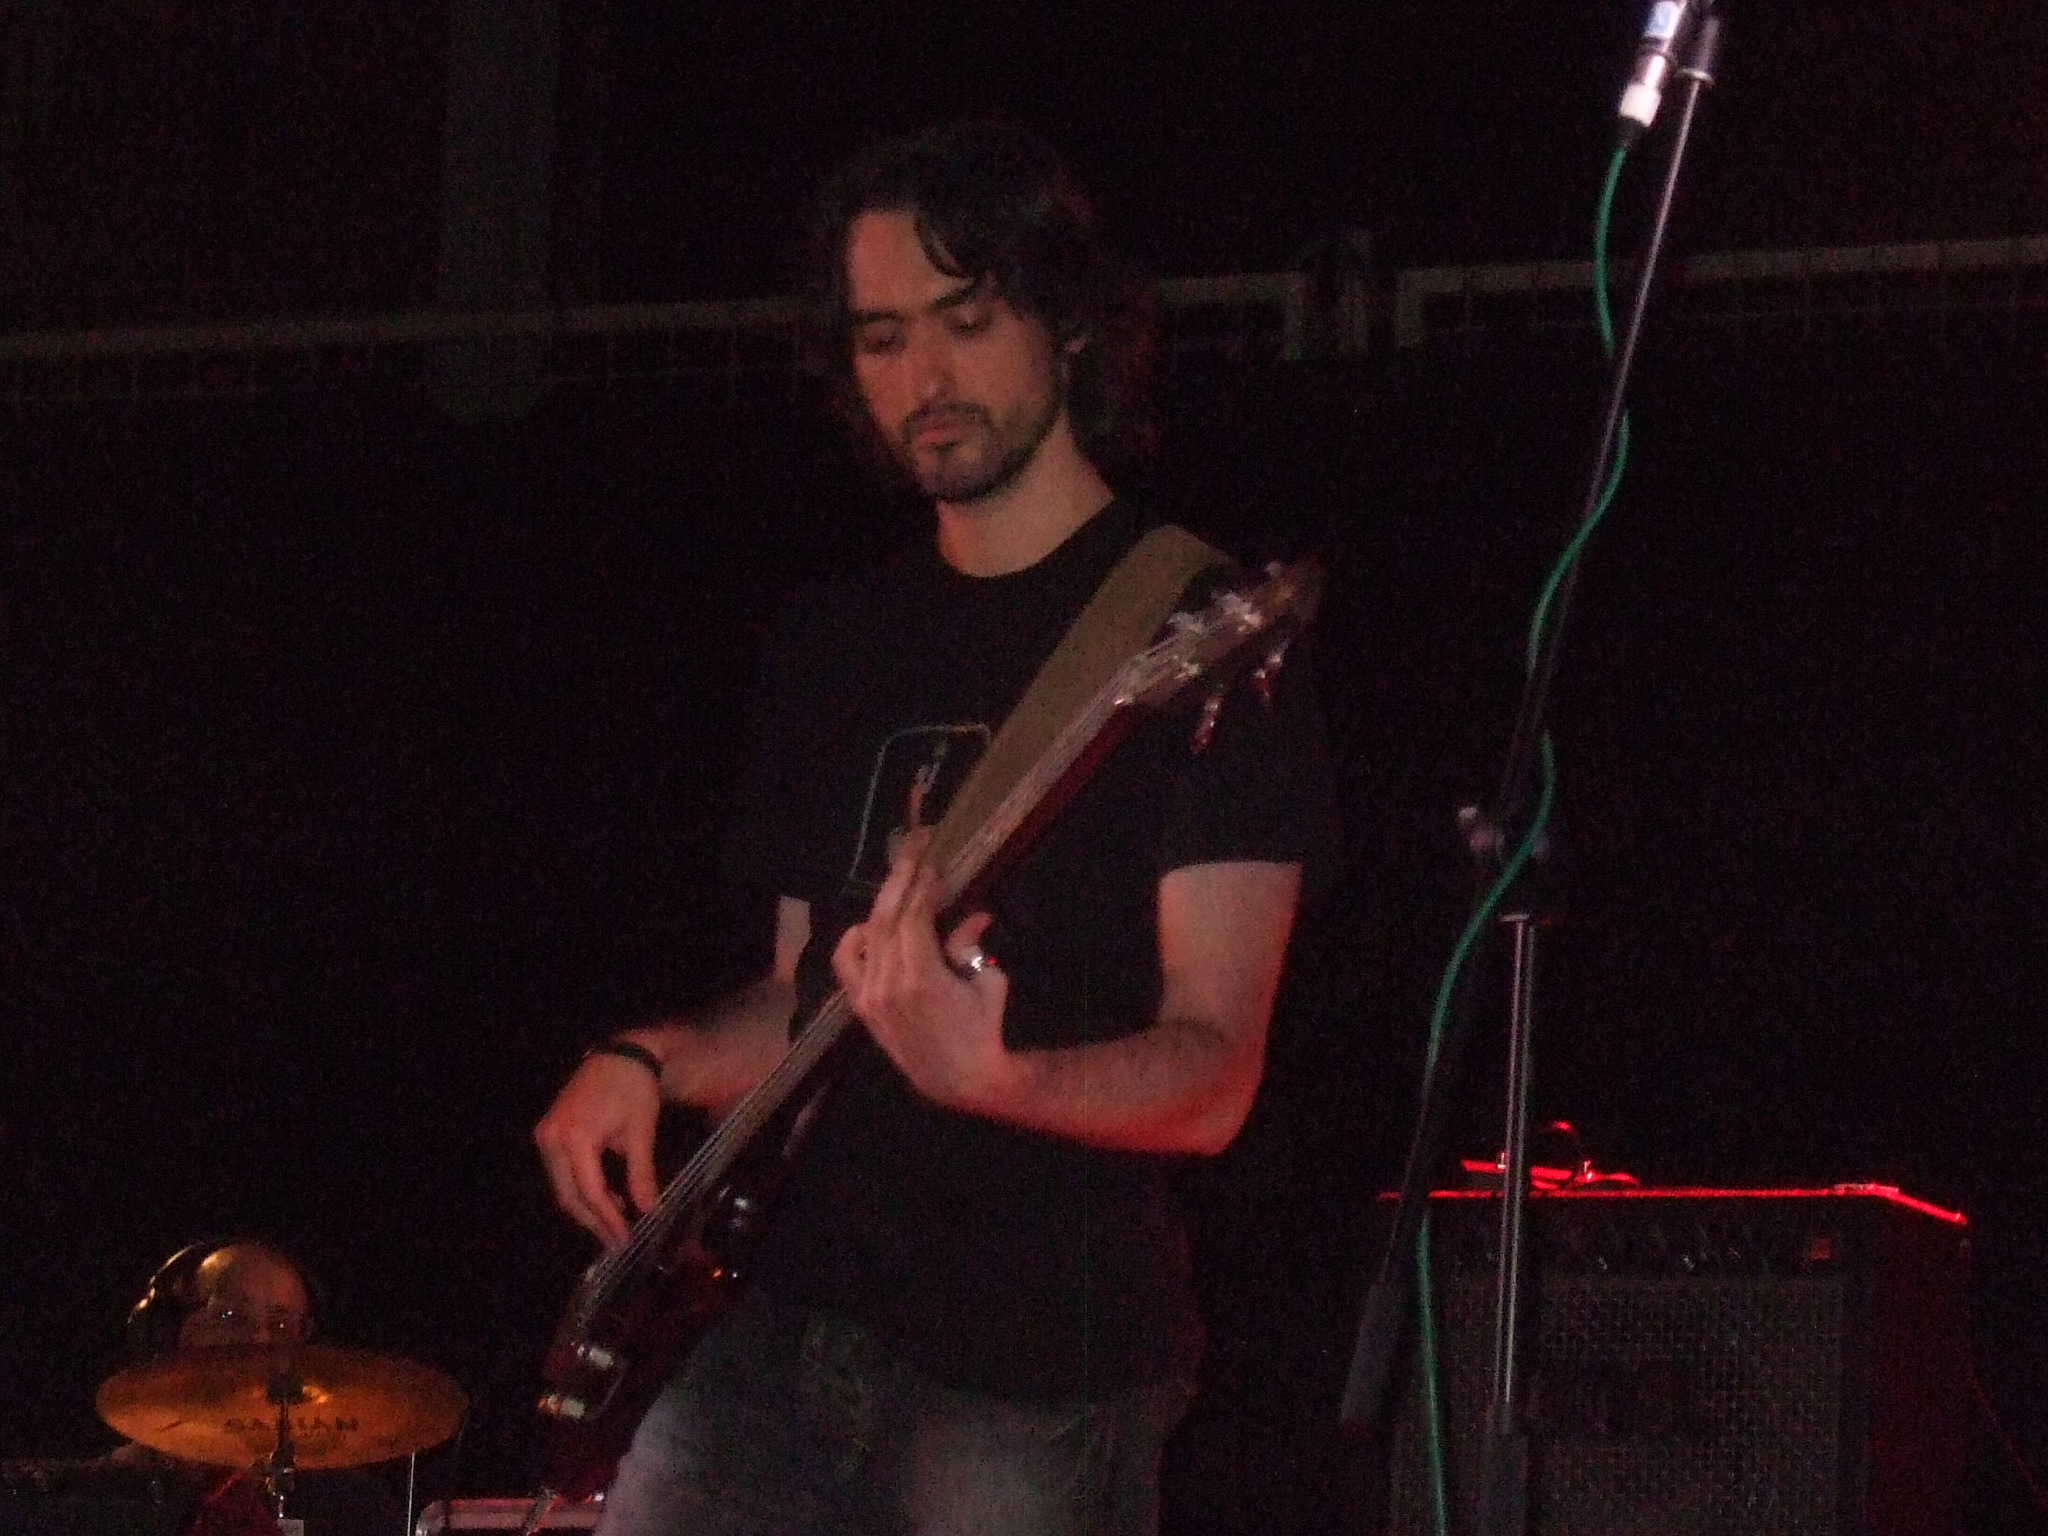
(154,1322)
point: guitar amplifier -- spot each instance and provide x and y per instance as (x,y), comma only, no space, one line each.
(1707,1363)
(505,1514)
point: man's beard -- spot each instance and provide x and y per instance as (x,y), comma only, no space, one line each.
(962,478)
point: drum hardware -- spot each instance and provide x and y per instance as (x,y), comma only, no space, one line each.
(276,1412)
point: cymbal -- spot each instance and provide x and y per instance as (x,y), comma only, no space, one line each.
(215,1405)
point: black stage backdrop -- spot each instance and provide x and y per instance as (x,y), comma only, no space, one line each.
(359,766)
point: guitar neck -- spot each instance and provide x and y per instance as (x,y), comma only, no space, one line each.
(965,854)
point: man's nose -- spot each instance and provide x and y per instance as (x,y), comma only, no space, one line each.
(930,364)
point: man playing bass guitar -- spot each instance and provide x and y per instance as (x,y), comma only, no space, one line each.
(970,1310)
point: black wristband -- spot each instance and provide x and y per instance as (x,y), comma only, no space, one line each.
(629,1050)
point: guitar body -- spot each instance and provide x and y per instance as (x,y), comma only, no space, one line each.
(628,1328)
(616,1360)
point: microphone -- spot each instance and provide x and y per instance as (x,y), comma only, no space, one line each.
(1670,23)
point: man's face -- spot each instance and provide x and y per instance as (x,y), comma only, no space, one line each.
(247,1296)
(960,386)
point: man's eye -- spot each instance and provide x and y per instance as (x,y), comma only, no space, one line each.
(877,342)
(969,321)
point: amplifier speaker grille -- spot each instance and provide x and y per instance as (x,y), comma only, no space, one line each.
(1709,1365)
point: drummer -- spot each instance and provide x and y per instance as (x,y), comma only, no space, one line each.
(240,1293)
(243,1293)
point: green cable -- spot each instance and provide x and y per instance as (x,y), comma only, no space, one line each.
(1602,218)
(1483,913)
(1540,621)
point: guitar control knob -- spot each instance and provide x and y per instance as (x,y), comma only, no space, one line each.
(596,1356)
(1268,669)
(1205,727)
(564,1405)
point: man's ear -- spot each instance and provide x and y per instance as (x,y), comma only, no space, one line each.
(1070,352)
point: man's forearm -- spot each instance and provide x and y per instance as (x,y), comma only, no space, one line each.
(1181,1085)
(711,1057)
(1186,1083)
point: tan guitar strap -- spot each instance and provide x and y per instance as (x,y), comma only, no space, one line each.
(1120,620)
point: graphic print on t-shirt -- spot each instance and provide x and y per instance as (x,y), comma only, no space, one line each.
(916,773)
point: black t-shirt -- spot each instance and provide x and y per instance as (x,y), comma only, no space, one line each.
(997,1259)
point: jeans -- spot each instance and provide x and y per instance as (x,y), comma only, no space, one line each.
(788,1423)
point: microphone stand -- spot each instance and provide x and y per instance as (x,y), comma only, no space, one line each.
(1502,1503)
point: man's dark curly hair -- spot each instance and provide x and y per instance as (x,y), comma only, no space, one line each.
(992,201)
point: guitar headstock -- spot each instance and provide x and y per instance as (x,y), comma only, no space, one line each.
(1213,640)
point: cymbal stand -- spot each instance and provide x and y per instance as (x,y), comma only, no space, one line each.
(280,1468)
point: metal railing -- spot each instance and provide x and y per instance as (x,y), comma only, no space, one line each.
(1932,281)
(1240,319)
(1260,316)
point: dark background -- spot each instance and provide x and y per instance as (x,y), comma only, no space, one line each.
(359,764)
(171,159)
